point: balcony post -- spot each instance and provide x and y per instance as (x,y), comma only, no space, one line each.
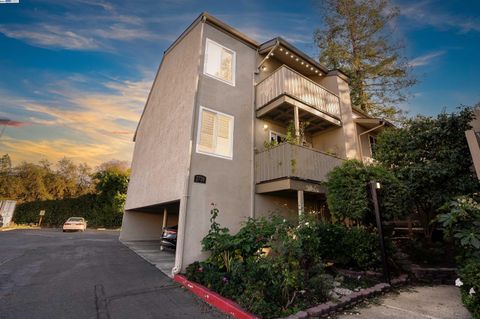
(301,203)
(165,216)
(297,124)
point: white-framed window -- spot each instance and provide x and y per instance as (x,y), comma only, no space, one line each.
(372,141)
(215,133)
(219,62)
(275,136)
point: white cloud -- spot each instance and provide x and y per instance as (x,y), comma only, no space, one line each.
(49,35)
(425,59)
(425,13)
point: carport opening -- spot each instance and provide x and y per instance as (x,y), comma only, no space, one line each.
(151,232)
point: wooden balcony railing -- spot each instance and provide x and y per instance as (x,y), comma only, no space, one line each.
(293,161)
(287,81)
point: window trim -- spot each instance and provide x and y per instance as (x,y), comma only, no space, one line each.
(370,144)
(275,132)
(231,132)
(234,63)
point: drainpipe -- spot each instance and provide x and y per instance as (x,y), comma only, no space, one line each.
(361,134)
(252,172)
(184,200)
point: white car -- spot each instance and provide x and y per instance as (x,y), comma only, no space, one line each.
(75,223)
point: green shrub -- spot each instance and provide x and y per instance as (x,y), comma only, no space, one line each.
(273,268)
(356,247)
(270,267)
(470,276)
(348,198)
(461,221)
(90,206)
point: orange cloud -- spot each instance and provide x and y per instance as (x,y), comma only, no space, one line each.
(8,122)
(104,123)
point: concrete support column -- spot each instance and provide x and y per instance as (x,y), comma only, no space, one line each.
(165,218)
(296,120)
(301,203)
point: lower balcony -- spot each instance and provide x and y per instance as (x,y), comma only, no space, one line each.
(288,166)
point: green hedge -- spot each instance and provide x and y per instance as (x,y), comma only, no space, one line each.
(97,212)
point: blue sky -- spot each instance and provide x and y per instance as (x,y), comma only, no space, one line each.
(74,74)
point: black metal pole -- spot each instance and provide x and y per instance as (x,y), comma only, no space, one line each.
(378,217)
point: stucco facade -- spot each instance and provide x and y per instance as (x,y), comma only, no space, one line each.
(276,92)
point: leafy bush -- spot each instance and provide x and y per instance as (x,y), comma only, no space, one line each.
(470,290)
(431,157)
(270,267)
(356,247)
(348,198)
(273,268)
(462,222)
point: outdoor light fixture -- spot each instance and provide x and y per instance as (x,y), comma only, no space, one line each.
(281,49)
(296,59)
(265,126)
(302,63)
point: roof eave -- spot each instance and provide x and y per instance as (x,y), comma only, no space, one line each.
(266,46)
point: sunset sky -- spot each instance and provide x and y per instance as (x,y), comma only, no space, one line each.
(74,74)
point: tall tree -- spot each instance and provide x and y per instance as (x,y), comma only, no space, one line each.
(357,39)
(111,182)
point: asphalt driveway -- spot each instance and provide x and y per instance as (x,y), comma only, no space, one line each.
(50,274)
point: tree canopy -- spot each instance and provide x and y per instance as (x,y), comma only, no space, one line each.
(357,38)
(64,190)
(430,155)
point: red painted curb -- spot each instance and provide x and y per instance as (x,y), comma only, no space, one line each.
(223,304)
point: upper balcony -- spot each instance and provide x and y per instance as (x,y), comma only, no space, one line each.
(285,88)
(286,165)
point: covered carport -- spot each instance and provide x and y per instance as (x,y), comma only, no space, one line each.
(142,230)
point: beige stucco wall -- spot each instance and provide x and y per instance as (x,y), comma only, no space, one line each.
(285,206)
(339,86)
(331,141)
(141,226)
(229,182)
(267,205)
(162,143)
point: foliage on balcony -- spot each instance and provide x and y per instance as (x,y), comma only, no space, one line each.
(290,137)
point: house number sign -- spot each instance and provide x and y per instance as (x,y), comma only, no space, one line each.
(200,179)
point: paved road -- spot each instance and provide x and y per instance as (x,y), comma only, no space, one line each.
(50,274)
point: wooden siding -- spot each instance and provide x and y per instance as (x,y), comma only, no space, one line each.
(288,160)
(287,81)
